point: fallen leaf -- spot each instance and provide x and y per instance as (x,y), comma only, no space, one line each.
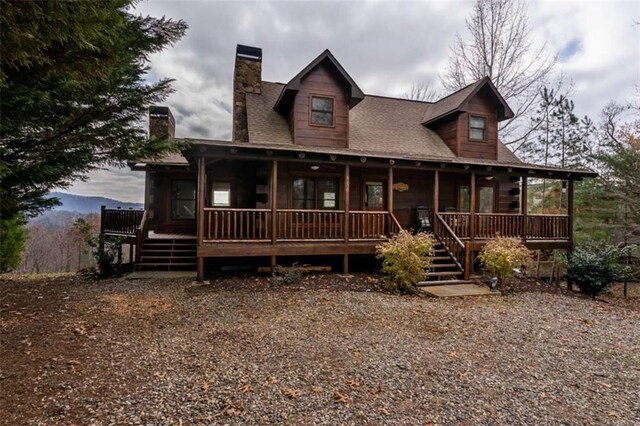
(613,414)
(316,389)
(354,384)
(231,412)
(340,397)
(461,375)
(270,381)
(205,386)
(73,362)
(604,385)
(376,390)
(453,354)
(246,388)
(292,393)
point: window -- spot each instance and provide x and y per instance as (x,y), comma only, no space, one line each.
(315,193)
(321,111)
(485,199)
(221,194)
(183,199)
(464,201)
(373,196)
(477,128)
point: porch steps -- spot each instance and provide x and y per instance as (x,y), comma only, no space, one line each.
(443,268)
(168,254)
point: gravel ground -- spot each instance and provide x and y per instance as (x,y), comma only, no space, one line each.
(331,350)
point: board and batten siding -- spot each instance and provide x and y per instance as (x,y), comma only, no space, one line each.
(321,81)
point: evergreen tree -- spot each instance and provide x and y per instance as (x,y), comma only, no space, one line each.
(72,76)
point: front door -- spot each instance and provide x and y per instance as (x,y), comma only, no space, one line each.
(374,195)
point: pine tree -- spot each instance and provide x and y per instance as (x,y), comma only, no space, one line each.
(73,82)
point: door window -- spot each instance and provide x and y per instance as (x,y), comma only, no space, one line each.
(183,199)
(485,199)
(464,200)
(316,193)
(374,195)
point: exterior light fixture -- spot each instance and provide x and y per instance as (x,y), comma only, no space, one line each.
(489,177)
(301,155)
(314,168)
(363,159)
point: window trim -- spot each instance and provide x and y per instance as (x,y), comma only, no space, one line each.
(333,110)
(486,127)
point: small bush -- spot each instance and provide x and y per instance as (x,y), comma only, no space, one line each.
(105,250)
(501,256)
(12,240)
(594,267)
(405,258)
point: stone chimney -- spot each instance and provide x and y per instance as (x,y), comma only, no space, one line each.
(247,78)
(161,123)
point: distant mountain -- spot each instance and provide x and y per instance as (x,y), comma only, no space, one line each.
(83,204)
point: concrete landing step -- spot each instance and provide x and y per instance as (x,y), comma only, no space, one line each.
(458,290)
(443,282)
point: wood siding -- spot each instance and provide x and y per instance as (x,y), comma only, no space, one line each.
(455,131)
(321,81)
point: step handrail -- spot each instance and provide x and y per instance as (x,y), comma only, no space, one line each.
(452,244)
(142,232)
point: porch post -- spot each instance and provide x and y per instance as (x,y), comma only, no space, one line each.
(274,203)
(390,191)
(201,185)
(346,182)
(472,207)
(524,207)
(436,193)
(570,213)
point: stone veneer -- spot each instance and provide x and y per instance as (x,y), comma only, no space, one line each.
(247,78)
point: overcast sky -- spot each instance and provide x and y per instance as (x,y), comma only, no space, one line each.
(385,47)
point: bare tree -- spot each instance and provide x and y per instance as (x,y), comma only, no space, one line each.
(422,91)
(500,46)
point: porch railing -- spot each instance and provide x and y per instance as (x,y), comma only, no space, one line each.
(372,225)
(310,225)
(490,225)
(459,223)
(226,224)
(548,227)
(120,221)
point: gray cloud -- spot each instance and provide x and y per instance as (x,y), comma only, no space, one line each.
(385,46)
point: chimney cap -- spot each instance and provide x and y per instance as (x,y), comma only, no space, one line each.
(249,52)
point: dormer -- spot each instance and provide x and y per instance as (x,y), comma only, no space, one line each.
(316,103)
(467,120)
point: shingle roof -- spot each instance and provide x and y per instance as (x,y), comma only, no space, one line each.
(377,125)
(457,100)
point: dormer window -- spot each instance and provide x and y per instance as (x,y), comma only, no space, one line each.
(321,111)
(477,128)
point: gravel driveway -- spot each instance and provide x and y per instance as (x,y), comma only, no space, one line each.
(329,351)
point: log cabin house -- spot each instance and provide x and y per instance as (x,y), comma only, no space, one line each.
(316,167)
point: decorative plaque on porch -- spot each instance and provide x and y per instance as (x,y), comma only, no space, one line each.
(400,187)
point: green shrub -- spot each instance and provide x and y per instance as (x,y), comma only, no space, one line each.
(104,248)
(405,258)
(501,256)
(12,240)
(595,266)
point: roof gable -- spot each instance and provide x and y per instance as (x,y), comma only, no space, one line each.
(458,102)
(289,91)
